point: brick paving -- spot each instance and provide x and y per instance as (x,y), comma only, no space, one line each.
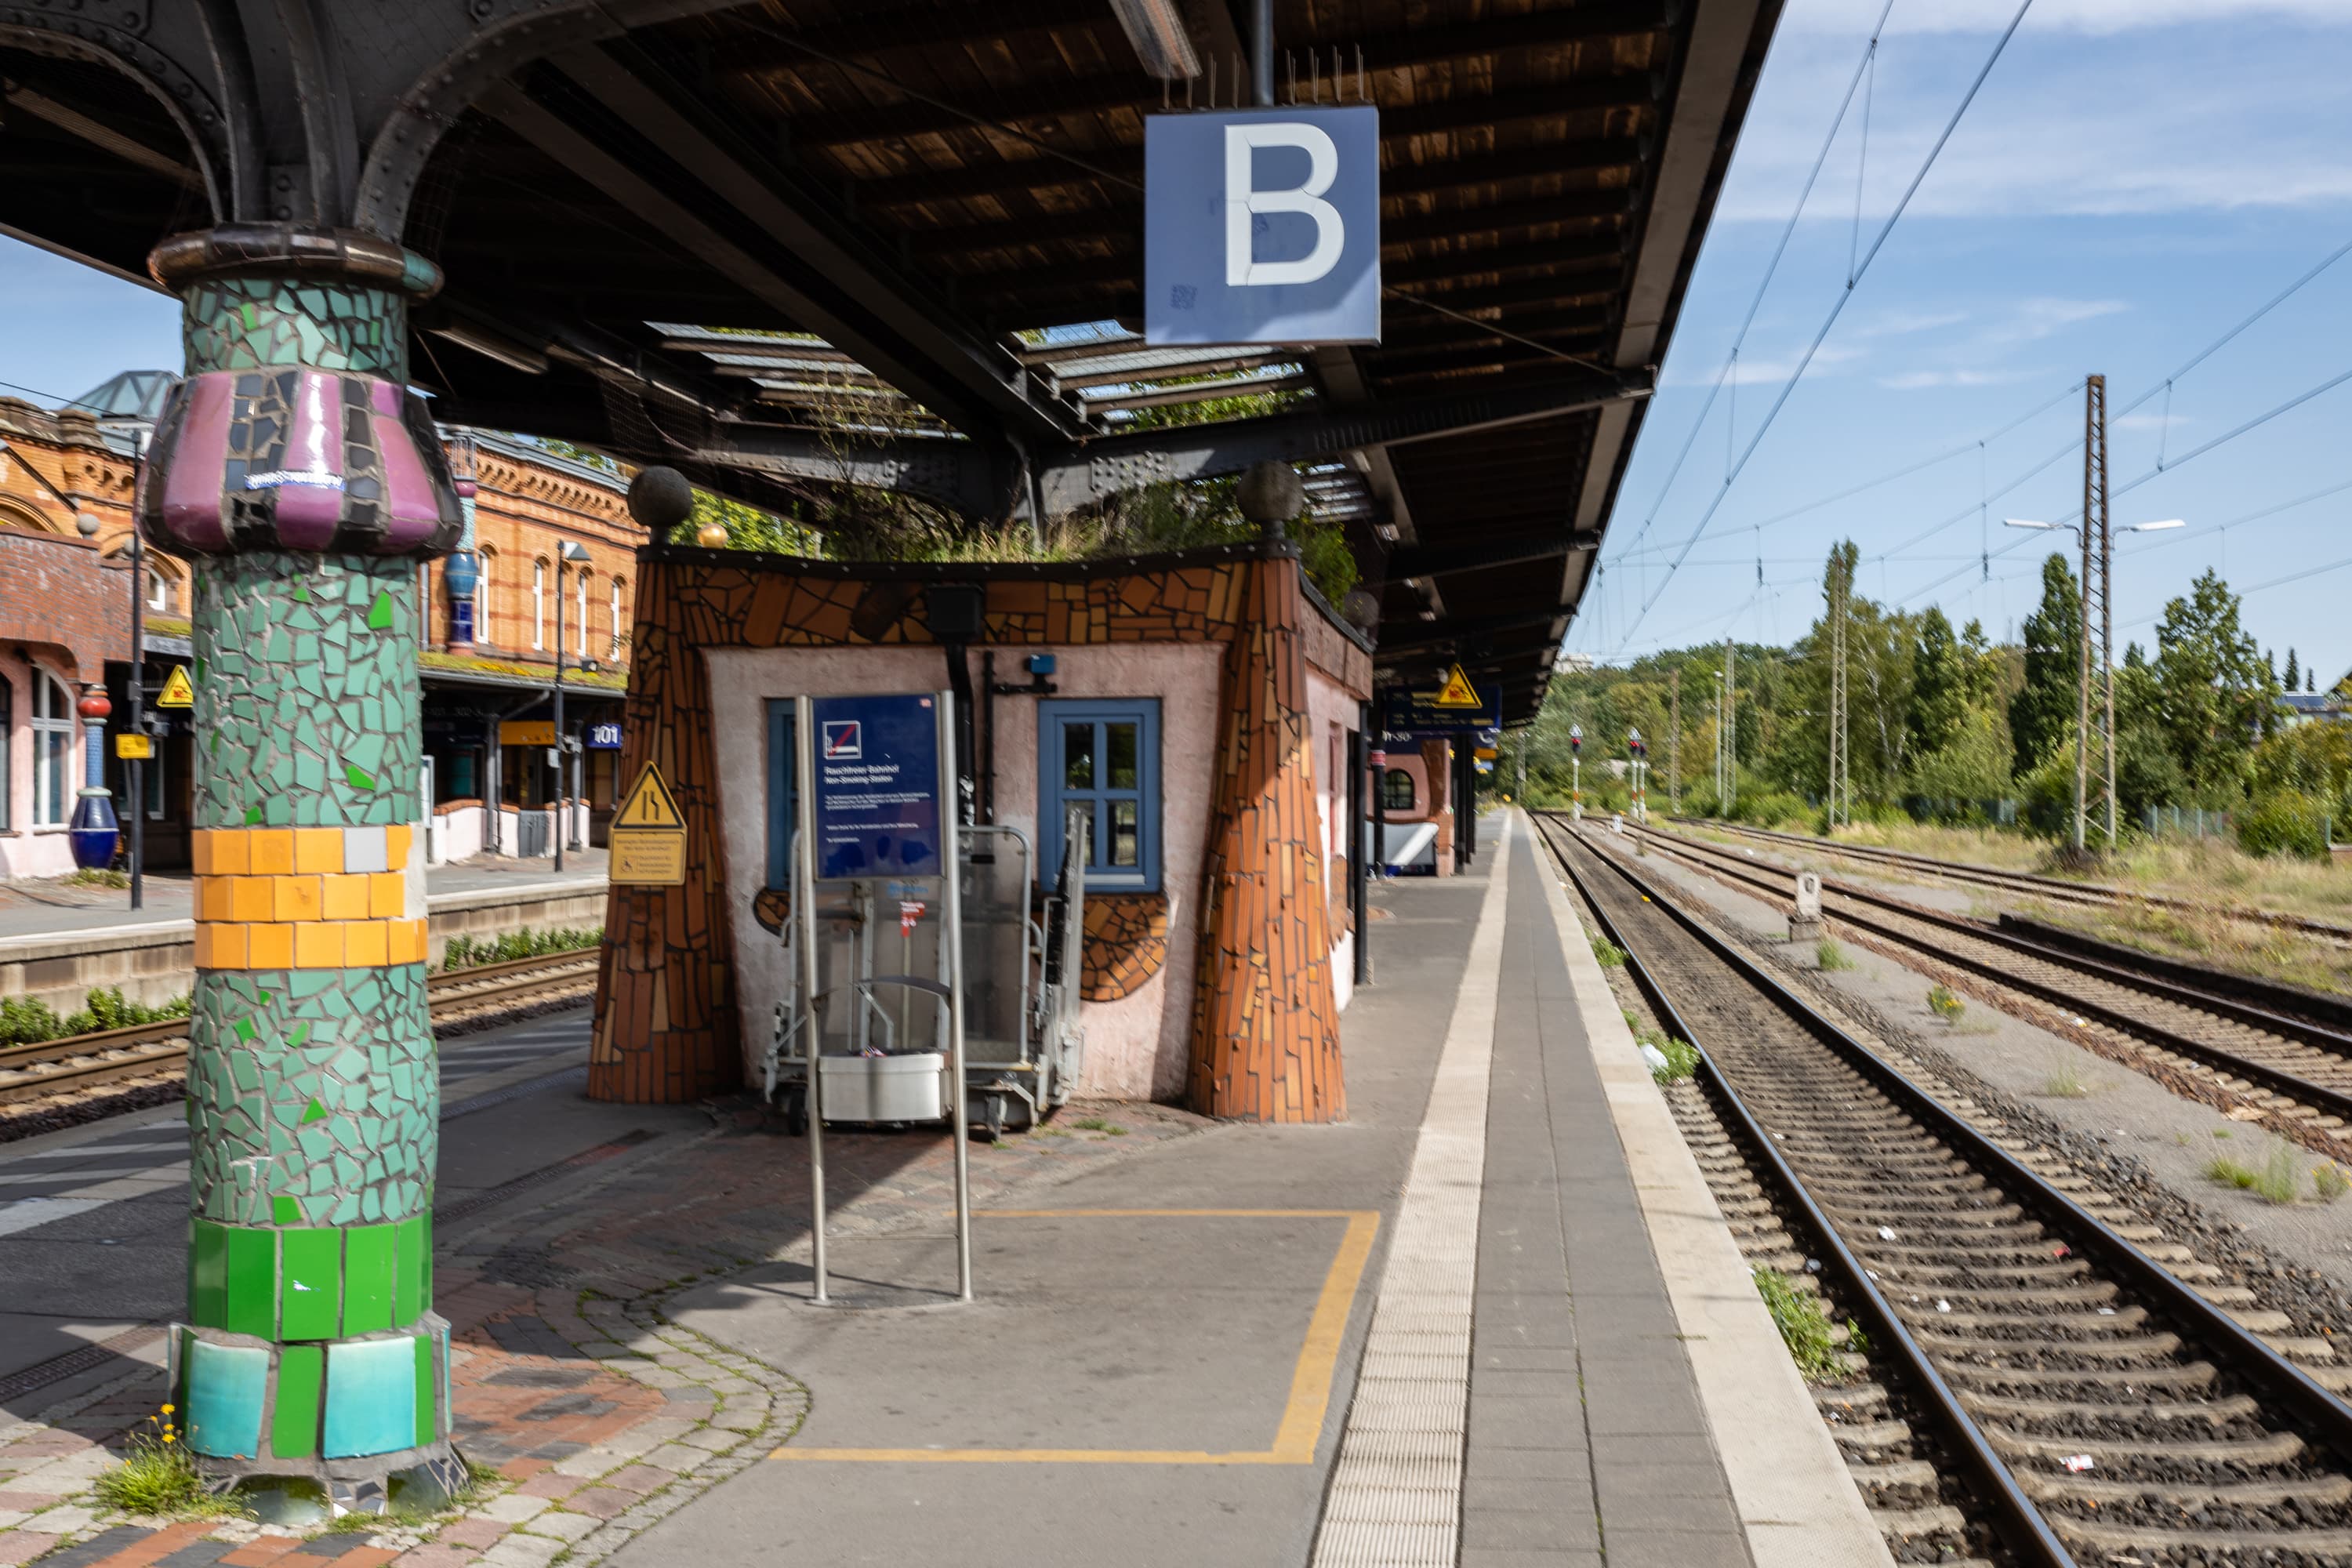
(601,1416)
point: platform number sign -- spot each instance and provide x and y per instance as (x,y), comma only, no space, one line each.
(1262,225)
(649,835)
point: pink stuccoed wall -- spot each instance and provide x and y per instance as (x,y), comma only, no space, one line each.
(1136,1047)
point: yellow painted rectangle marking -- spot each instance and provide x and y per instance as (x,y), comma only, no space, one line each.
(1310,1380)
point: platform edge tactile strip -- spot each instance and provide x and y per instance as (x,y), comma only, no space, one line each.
(1396,1491)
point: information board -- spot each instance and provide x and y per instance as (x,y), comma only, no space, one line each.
(1417,708)
(877,787)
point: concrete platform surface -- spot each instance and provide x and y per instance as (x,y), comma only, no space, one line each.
(1458,1328)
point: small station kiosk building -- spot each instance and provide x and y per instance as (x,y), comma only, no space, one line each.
(1204,706)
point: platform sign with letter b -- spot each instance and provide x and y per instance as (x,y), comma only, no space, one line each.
(1263,225)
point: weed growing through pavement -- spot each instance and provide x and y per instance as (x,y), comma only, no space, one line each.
(1945,1003)
(157,1478)
(1804,1328)
(1681,1057)
(1097,1124)
(2066,1080)
(2277,1180)
(1828,954)
(1611,955)
(2330,1182)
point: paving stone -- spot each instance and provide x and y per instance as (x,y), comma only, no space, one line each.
(524,1552)
(513,1507)
(473,1531)
(563,1525)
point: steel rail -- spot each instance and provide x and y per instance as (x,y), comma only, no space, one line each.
(447,991)
(2292,1389)
(2278,1080)
(2035,881)
(2016,1519)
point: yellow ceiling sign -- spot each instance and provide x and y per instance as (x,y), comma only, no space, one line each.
(1457,691)
(178,691)
(650,805)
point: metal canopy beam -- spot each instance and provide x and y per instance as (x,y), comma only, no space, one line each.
(1444,560)
(973,384)
(1110,465)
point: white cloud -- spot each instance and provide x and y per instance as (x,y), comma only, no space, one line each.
(2233,107)
(1761,369)
(2096,18)
(1923,380)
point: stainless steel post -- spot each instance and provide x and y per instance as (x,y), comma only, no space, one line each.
(951,946)
(804,914)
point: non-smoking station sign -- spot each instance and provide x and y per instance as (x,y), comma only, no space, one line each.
(877,787)
(1262,225)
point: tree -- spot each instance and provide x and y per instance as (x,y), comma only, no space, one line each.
(1940,683)
(2294,681)
(2216,693)
(2042,713)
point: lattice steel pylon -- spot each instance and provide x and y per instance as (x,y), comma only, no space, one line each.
(1674,741)
(1841,595)
(2095,734)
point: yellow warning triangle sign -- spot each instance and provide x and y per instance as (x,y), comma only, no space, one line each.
(1457,691)
(178,691)
(650,804)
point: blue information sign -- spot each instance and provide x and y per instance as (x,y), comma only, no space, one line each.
(1418,708)
(604,737)
(1262,225)
(877,787)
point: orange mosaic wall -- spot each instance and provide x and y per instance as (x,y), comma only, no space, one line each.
(1125,944)
(666,1025)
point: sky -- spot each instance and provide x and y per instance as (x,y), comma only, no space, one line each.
(2134,179)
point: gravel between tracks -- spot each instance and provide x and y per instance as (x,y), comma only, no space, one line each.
(1980,1280)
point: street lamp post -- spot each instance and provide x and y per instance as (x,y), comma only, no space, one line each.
(571,554)
(2095,539)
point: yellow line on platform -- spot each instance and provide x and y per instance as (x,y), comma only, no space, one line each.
(1310,1381)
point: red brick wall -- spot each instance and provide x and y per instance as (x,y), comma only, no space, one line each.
(56,593)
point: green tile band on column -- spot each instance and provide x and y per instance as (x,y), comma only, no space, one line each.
(252,1282)
(367,1278)
(294,1427)
(208,1274)
(312,1277)
(426,1383)
(412,1242)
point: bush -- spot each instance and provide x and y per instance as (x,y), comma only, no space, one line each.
(27,1021)
(1773,808)
(466,952)
(2285,824)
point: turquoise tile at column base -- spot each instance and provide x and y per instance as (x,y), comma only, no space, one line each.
(370,1397)
(227,1385)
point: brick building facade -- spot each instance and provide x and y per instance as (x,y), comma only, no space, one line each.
(65,605)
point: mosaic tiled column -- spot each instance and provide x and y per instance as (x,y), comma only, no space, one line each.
(1265,1027)
(305,480)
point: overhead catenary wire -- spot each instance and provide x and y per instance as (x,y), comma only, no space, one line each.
(1731,362)
(1838,307)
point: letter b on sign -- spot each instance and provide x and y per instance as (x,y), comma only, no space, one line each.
(1263,225)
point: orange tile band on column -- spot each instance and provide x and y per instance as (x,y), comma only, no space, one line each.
(304,898)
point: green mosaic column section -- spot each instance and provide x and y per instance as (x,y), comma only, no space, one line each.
(306,691)
(311,1345)
(256,323)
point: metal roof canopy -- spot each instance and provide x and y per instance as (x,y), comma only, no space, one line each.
(919,222)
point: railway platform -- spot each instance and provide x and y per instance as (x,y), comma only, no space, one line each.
(1492,1318)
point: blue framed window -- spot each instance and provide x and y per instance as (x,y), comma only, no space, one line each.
(783,786)
(1103,754)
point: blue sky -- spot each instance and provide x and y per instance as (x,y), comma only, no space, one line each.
(2136,177)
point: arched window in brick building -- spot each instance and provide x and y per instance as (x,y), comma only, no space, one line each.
(580,640)
(614,654)
(53,745)
(539,604)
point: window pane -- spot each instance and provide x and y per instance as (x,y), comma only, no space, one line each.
(1119,747)
(1396,790)
(1079,756)
(1126,846)
(51,764)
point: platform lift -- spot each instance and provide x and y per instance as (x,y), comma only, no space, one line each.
(881,1012)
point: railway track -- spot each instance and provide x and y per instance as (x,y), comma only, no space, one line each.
(148,1050)
(2098,1406)
(2247,1047)
(2027,883)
